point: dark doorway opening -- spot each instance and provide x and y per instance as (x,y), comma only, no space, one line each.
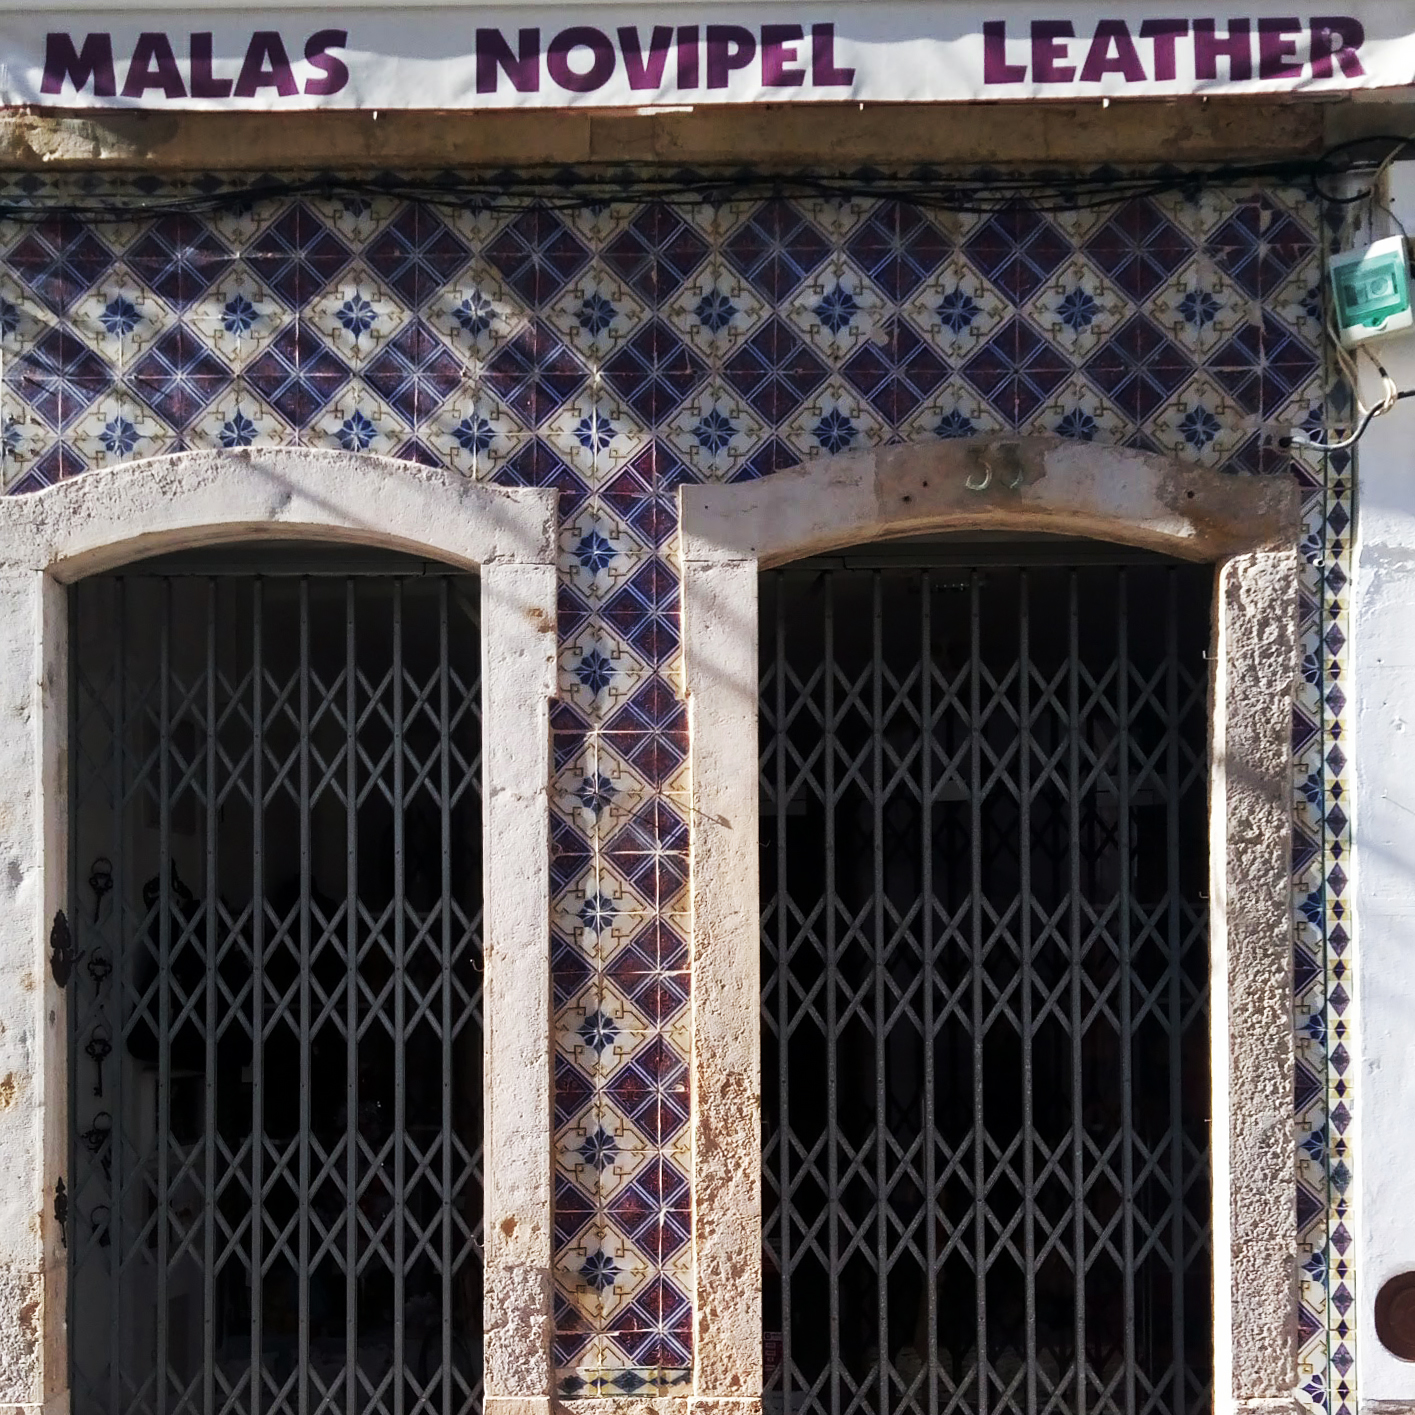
(985,977)
(276,1042)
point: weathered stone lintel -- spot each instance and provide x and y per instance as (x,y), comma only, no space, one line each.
(1192,130)
(991,484)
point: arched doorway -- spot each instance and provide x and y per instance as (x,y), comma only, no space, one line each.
(290,509)
(275,1041)
(985,964)
(1245,531)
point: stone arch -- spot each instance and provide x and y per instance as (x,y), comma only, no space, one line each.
(1015,484)
(1248,528)
(103,518)
(110,517)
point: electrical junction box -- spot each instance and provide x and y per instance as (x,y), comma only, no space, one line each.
(1371,292)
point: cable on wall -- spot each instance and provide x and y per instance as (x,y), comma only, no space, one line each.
(1390,394)
(981,192)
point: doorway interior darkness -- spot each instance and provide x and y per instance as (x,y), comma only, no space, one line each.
(276,1043)
(985,977)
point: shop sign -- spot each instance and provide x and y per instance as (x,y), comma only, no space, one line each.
(523,55)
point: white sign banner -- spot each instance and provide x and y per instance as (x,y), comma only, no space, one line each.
(609,55)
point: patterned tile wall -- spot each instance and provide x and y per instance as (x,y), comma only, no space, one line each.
(615,351)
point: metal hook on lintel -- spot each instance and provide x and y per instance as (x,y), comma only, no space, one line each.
(974,485)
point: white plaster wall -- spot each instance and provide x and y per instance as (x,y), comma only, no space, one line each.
(1382,685)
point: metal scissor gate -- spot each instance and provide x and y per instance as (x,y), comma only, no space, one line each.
(984,1001)
(276,1042)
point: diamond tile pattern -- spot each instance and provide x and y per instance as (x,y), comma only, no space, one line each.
(615,350)
(179,376)
(298,256)
(59,259)
(416,373)
(178,257)
(297,375)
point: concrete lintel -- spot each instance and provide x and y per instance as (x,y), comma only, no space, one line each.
(105,518)
(1189,130)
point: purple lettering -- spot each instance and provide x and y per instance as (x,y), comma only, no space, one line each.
(824,74)
(154,66)
(205,84)
(645,73)
(1236,46)
(1166,35)
(334,73)
(1048,54)
(688,56)
(778,50)
(1333,37)
(729,47)
(94,61)
(557,59)
(1100,61)
(494,57)
(996,69)
(1274,48)
(266,66)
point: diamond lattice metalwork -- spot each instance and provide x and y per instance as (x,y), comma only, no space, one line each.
(985,973)
(276,1041)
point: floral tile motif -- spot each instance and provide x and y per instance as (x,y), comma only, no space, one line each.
(616,349)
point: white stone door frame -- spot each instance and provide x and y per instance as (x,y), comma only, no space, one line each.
(1248,528)
(108,518)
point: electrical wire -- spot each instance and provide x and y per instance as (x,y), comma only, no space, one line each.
(1301,439)
(1334,167)
(1390,394)
(983,192)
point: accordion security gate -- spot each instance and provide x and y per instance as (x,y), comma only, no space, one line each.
(276,1041)
(984,1009)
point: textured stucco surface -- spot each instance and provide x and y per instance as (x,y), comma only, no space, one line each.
(1383,875)
(22,1300)
(1254,1180)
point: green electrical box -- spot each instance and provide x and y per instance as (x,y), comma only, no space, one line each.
(1371,292)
